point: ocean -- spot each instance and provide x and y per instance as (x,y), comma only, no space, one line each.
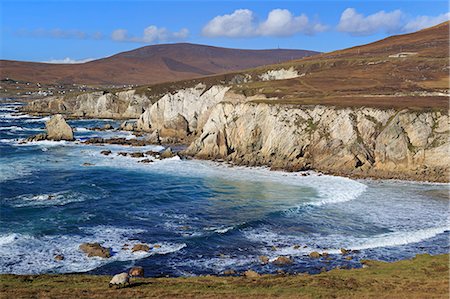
(207,217)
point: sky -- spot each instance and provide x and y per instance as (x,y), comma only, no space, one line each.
(77,31)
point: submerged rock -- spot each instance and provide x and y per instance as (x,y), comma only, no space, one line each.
(345,251)
(137,155)
(146,161)
(95,249)
(106,152)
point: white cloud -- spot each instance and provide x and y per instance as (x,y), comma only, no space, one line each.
(422,22)
(243,23)
(69,60)
(240,23)
(388,22)
(357,24)
(151,34)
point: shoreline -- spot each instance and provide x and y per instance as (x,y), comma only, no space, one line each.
(422,276)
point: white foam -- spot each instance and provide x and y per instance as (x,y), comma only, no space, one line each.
(398,238)
(43,119)
(333,243)
(50,199)
(8,238)
(12,128)
(25,254)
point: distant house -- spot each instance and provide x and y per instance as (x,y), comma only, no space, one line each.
(403,54)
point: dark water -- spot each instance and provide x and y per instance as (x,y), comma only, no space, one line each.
(206,217)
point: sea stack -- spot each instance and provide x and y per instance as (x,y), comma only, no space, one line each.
(58,129)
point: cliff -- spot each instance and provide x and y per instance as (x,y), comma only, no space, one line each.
(361,142)
(116,105)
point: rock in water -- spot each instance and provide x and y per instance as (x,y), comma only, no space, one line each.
(95,249)
(58,129)
(167,153)
(263,259)
(282,260)
(140,247)
(314,255)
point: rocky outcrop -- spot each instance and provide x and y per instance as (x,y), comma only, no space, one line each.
(119,105)
(280,74)
(182,113)
(95,249)
(58,129)
(362,142)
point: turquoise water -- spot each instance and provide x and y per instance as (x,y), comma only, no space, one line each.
(207,217)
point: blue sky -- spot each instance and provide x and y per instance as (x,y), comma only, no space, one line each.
(78,30)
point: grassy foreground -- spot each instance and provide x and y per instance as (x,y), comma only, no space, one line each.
(424,276)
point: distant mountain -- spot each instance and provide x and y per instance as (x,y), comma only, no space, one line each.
(148,65)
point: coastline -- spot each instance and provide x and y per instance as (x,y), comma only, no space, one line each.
(418,277)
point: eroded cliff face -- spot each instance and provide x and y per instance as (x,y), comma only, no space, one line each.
(358,142)
(120,105)
(182,113)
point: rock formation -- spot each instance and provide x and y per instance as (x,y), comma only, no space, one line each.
(348,141)
(179,114)
(95,249)
(58,129)
(119,105)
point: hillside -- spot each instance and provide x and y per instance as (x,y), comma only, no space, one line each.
(369,75)
(148,65)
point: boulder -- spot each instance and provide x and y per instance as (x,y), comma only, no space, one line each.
(136,272)
(154,137)
(108,127)
(146,161)
(38,137)
(95,249)
(345,251)
(263,259)
(282,260)
(157,246)
(229,272)
(152,153)
(127,126)
(137,155)
(251,274)
(106,152)
(140,247)
(167,153)
(59,257)
(314,255)
(58,129)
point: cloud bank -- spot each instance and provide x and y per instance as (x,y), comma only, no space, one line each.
(395,21)
(151,34)
(244,23)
